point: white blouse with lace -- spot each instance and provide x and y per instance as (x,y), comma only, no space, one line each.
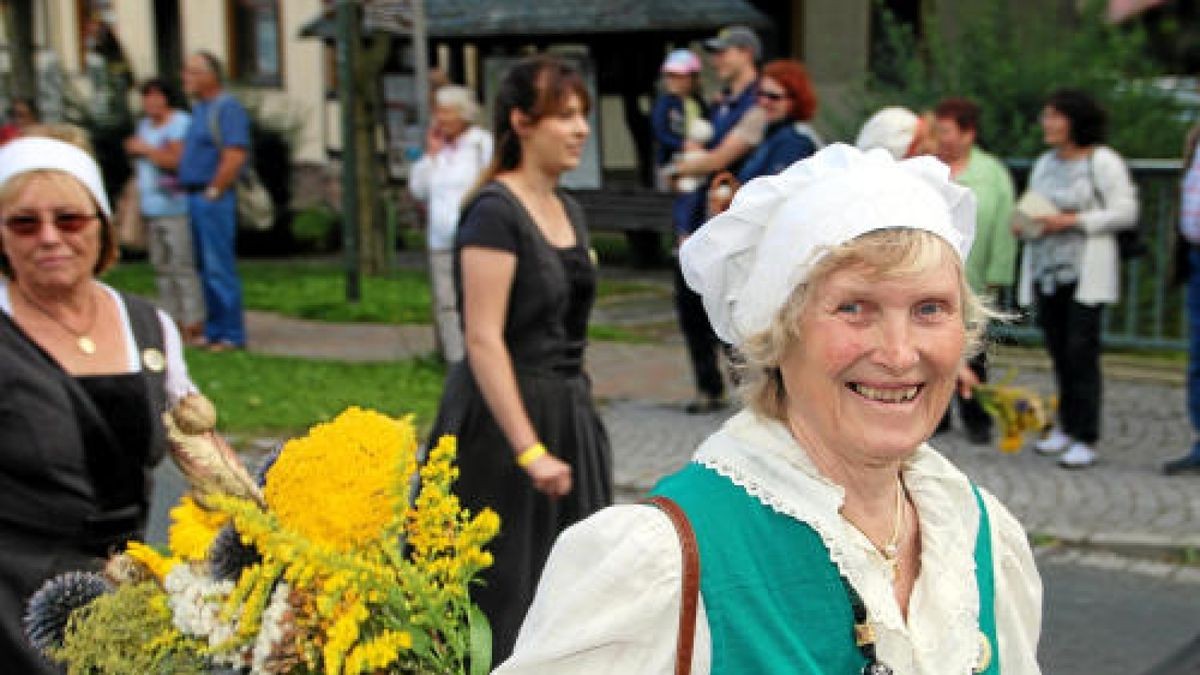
(608,601)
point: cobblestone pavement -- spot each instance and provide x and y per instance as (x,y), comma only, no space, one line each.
(1121,502)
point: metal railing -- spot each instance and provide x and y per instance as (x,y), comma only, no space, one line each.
(1151,314)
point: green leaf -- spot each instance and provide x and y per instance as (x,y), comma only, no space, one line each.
(481,641)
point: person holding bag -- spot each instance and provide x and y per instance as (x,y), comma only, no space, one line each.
(828,536)
(1071,269)
(208,171)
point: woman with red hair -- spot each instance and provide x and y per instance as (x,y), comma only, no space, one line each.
(786,95)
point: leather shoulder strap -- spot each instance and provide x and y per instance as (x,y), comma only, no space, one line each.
(690,596)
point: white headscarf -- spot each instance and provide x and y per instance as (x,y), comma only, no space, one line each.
(34,153)
(747,261)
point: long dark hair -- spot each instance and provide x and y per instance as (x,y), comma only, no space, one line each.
(537,86)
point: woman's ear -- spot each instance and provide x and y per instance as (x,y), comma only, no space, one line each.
(520,122)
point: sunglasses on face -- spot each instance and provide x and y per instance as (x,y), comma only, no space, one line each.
(28,223)
(772,95)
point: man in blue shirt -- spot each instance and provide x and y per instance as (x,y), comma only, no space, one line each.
(214,151)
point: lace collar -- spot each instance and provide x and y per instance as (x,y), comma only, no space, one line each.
(762,457)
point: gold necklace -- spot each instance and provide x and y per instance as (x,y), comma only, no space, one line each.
(891,548)
(83,339)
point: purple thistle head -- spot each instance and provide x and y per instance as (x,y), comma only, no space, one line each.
(48,610)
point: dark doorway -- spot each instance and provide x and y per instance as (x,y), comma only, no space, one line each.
(168,39)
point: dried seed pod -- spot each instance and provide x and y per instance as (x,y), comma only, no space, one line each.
(195,414)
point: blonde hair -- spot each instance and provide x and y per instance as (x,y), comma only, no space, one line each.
(887,254)
(68,133)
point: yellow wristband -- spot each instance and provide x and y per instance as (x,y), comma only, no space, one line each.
(530,454)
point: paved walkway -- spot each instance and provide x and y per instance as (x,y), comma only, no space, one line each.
(1122,502)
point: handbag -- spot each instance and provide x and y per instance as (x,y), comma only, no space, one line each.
(255,208)
(1129,241)
(690,592)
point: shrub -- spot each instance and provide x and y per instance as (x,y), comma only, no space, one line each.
(1009,62)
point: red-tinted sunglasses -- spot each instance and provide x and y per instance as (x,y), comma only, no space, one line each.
(26,224)
(771,95)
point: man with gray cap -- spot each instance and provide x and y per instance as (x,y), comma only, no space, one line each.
(738,126)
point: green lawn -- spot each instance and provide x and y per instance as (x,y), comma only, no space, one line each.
(315,290)
(254,393)
(309,290)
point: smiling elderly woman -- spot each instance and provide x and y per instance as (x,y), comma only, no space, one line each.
(830,537)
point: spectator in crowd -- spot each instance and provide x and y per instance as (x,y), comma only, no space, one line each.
(1070,270)
(87,372)
(991,266)
(215,150)
(530,443)
(788,101)
(456,153)
(22,113)
(156,148)
(678,107)
(1189,230)
(738,126)
(900,131)
(827,536)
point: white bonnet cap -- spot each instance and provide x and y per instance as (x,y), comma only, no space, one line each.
(747,261)
(892,128)
(33,153)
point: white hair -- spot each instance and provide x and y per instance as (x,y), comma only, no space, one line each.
(457,96)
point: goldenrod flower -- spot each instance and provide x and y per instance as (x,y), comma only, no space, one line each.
(193,529)
(144,555)
(334,486)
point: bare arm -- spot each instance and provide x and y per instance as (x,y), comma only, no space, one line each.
(232,159)
(487,277)
(730,150)
(165,157)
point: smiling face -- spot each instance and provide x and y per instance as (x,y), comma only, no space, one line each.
(50,257)
(556,141)
(774,100)
(875,363)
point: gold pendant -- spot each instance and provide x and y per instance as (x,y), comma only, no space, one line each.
(86,345)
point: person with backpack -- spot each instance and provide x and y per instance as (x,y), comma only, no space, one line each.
(215,152)
(1071,269)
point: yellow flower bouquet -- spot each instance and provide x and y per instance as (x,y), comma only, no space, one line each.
(1016,410)
(347,555)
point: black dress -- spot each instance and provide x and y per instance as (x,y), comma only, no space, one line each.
(75,457)
(545,331)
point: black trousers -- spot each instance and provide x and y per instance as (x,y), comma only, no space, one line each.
(1072,333)
(974,417)
(703,345)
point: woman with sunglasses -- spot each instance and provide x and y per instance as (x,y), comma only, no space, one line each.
(86,372)
(786,96)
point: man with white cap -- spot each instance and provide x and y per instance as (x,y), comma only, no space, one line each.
(898,130)
(815,532)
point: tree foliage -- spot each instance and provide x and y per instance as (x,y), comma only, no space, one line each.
(1009,61)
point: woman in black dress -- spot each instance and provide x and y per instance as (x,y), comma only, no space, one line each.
(530,443)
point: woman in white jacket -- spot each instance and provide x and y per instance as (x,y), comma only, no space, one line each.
(456,152)
(1072,269)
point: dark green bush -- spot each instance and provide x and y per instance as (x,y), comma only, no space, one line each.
(1009,62)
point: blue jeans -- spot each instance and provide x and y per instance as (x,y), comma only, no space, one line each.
(1193,369)
(214,233)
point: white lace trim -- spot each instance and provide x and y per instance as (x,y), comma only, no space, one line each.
(761,457)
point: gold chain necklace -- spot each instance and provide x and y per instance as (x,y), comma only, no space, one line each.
(83,339)
(890,550)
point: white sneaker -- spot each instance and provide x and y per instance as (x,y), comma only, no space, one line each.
(1078,456)
(1054,442)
